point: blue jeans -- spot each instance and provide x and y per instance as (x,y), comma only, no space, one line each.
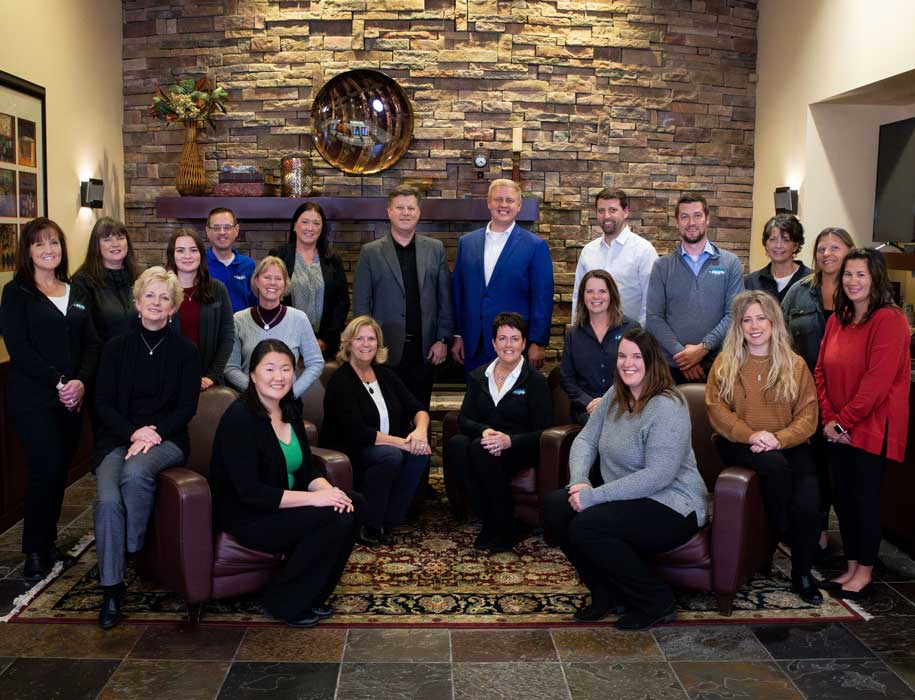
(125,493)
(388,478)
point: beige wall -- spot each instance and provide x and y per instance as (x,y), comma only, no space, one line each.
(809,52)
(73,49)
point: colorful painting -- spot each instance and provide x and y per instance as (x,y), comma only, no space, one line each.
(28,195)
(28,143)
(7,192)
(7,138)
(9,235)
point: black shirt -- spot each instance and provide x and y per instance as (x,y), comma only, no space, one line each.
(110,304)
(763,280)
(406,256)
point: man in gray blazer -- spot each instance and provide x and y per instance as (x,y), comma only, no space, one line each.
(403,282)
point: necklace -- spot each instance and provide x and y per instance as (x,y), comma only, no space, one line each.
(153,348)
(279,310)
(757,361)
(368,384)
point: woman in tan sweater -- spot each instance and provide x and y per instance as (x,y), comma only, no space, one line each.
(762,402)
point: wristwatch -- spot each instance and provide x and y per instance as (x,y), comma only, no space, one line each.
(708,346)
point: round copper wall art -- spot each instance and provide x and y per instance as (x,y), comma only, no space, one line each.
(362,122)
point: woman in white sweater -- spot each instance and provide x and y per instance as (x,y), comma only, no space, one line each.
(652,498)
(270,319)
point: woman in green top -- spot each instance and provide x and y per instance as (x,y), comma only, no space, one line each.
(271,496)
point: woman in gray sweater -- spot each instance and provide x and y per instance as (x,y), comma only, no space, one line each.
(651,498)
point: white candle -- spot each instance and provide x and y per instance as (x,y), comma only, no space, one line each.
(516,139)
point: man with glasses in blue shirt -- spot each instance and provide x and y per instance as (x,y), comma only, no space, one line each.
(225,263)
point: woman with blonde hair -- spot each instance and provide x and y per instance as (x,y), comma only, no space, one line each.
(146,394)
(371,416)
(270,320)
(762,402)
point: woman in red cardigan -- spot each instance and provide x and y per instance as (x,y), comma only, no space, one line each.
(862,377)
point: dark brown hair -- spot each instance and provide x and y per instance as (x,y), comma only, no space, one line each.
(610,193)
(289,407)
(94,264)
(839,233)
(657,380)
(203,287)
(405,190)
(788,223)
(222,210)
(689,198)
(881,293)
(615,311)
(511,319)
(322,244)
(31,232)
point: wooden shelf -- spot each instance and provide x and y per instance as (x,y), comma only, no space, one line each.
(900,261)
(336,208)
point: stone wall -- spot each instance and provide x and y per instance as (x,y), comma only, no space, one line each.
(653,96)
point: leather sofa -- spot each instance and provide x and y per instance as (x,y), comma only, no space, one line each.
(182,551)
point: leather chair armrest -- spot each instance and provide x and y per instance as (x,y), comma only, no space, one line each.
(311,431)
(183,523)
(555,444)
(741,540)
(336,465)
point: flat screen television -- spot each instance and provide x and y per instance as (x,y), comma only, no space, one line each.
(894,204)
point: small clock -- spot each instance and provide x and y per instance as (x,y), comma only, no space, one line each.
(480,158)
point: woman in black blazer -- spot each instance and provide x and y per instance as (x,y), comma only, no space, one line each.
(370,415)
(53,350)
(269,494)
(506,408)
(106,276)
(146,394)
(323,297)
(205,315)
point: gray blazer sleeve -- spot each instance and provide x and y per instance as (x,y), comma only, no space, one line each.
(363,286)
(656,309)
(226,334)
(445,309)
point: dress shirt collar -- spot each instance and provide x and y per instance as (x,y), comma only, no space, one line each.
(494,391)
(621,239)
(499,234)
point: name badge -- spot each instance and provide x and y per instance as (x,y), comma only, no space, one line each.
(519,392)
(239,277)
(716,270)
(79,306)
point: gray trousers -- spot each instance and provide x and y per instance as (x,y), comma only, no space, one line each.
(125,492)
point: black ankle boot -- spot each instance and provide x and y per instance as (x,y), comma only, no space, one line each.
(806,588)
(112,600)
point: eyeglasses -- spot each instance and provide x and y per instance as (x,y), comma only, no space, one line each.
(222,228)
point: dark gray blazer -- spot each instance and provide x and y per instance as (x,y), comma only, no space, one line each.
(378,291)
(217,332)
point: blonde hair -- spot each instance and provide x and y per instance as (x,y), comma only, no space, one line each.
(503,182)
(352,328)
(159,274)
(262,265)
(734,351)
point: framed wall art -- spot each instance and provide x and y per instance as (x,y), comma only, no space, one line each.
(23,162)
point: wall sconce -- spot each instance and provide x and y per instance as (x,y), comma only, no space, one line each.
(785,200)
(91,192)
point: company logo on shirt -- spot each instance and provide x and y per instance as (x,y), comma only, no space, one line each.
(716,270)
(239,277)
(519,392)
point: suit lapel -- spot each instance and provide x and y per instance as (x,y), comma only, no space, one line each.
(390,257)
(505,255)
(422,255)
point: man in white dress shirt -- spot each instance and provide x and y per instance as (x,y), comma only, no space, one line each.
(626,256)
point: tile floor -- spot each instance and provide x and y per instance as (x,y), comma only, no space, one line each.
(819,661)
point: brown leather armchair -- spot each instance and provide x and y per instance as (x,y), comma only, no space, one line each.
(529,486)
(182,551)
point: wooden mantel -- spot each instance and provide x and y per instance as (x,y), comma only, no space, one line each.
(336,208)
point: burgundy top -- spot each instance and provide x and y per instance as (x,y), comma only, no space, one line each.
(863,376)
(189,314)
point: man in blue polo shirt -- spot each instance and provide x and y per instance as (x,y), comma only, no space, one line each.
(690,293)
(226,264)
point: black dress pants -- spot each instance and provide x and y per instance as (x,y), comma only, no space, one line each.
(858,478)
(415,371)
(49,438)
(611,545)
(318,542)
(488,480)
(791,494)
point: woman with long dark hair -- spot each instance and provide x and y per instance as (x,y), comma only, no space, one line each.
(862,377)
(589,354)
(317,281)
(106,277)
(205,315)
(269,494)
(652,498)
(53,350)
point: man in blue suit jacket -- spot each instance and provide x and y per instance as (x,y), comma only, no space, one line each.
(501,267)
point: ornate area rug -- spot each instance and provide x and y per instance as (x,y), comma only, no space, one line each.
(431,576)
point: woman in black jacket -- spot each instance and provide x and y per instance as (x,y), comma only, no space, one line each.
(371,416)
(317,281)
(270,495)
(53,350)
(506,408)
(205,315)
(146,394)
(106,276)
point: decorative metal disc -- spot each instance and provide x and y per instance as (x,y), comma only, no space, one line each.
(362,122)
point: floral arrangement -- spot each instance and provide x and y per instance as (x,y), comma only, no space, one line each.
(188,102)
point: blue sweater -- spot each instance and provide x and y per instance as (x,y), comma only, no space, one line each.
(685,309)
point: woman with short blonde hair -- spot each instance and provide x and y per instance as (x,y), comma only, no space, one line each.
(762,402)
